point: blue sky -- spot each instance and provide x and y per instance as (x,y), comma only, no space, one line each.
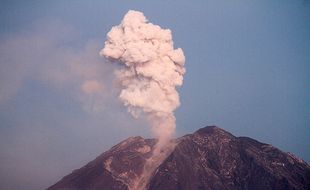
(247,62)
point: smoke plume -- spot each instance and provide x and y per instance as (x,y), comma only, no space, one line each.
(150,71)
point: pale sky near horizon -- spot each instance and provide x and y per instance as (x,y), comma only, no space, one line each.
(248,66)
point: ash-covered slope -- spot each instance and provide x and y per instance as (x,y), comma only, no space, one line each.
(114,169)
(210,158)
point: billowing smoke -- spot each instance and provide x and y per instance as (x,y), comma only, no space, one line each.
(150,71)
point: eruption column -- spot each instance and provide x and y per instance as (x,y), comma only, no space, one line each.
(150,72)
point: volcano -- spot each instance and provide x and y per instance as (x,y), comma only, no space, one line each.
(210,158)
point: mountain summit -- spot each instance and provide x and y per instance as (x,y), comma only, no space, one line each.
(210,158)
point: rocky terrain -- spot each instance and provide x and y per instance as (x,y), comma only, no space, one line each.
(210,158)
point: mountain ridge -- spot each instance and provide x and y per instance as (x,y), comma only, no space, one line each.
(209,158)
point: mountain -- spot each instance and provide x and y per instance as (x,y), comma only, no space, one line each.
(210,158)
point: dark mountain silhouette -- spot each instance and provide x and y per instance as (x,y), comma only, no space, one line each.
(210,158)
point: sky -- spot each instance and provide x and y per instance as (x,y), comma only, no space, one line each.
(247,71)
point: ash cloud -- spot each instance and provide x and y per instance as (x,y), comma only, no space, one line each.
(151,70)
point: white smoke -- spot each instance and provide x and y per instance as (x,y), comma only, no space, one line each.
(152,69)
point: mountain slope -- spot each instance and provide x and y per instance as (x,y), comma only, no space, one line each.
(210,158)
